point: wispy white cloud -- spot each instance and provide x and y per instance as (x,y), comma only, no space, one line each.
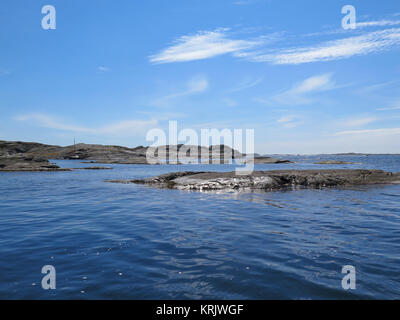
(195,85)
(388,108)
(321,82)
(336,49)
(359,26)
(374,87)
(289,121)
(285,119)
(378,23)
(358,122)
(374,132)
(246,2)
(230,102)
(208,44)
(301,92)
(126,127)
(395,105)
(163,116)
(103,69)
(49,122)
(246,84)
(203,45)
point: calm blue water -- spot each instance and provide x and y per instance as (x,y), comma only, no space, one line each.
(115,241)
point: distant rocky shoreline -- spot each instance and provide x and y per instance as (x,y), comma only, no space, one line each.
(24,156)
(267,180)
(32,156)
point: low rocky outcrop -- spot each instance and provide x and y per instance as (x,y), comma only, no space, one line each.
(21,163)
(27,164)
(333,162)
(92,168)
(267,180)
(267,160)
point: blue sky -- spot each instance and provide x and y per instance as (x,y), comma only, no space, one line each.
(112,70)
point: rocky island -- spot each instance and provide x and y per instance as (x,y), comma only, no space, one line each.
(267,180)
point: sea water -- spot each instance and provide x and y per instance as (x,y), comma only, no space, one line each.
(127,241)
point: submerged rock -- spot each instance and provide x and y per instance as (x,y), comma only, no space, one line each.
(267,180)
